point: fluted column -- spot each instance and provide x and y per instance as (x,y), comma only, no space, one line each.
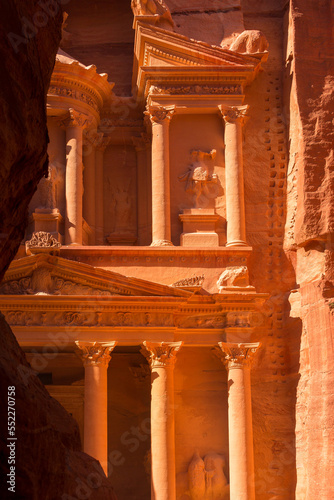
(162,357)
(73,180)
(238,359)
(101,145)
(96,358)
(161,224)
(234,117)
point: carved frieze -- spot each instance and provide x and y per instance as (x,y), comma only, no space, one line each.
(196,90)
(73,93)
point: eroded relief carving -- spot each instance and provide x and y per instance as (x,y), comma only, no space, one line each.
(157,9)
(250,42)
(206,477)
(199,179)
(233,276)
(121,206)
(193,281)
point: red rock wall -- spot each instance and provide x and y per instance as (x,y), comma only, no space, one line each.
(308,238)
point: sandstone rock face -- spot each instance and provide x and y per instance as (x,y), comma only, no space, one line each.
(309,239)
(49,462)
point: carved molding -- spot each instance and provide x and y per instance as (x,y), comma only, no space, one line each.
(235,355)
(196,89)
(95,353)
(161,354)
(157,114)
(233,114)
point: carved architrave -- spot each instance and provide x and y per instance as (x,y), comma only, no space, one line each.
(233,114)
(158,114)
(95,353)
(238,355)
(161,354)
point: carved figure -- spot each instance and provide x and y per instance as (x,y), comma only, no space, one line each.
(48,188)
(156,8)
(207,480)
(233,276)
(199,181)
(250,42)
(122,208)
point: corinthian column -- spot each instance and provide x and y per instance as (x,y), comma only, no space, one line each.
(162,357)
(161,225)
(234,117)
(238,358)
(73,181)
(95,359)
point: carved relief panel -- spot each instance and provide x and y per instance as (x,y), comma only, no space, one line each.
(120,195)
(197,170)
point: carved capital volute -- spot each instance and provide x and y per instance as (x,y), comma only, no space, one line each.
(161,354)
(235,355)
(95,353)
(160,114)
(77,119)
(233,114)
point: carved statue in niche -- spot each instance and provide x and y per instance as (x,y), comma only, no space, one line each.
(121,206)
(206,478)
(202,184)
(47,188)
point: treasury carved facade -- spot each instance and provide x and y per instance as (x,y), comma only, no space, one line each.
(134,295)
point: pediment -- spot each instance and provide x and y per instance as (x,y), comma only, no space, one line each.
(45,274)
(158,48)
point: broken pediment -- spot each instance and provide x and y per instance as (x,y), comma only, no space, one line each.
(44,274)
(162,53)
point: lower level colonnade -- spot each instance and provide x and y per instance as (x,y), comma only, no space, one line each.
(161,357)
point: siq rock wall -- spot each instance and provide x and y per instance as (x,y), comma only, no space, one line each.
(309,77)
(49,461)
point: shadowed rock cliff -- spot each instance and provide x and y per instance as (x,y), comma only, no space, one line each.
(49,461)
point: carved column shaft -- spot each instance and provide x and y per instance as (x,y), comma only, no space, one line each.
(238,359)
(74,182)
(235,198)
(96,358)
(89,187)
(143,192)
(161,223)
(99,186)
(162,357)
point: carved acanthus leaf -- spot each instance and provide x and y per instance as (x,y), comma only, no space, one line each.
(238,355)
(161,354)
(95,353)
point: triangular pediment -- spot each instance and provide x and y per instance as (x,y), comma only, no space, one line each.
(158,48)
(45,274)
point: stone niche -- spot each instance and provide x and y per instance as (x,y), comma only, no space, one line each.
(198,181)
(120,195)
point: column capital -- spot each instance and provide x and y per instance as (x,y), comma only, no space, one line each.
(93,137)
(141,143)
(235,355)
(233,114)
(77,119)
(95,353)
(161,354)
(158,114)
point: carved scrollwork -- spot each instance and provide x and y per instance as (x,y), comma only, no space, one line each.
(41,239)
